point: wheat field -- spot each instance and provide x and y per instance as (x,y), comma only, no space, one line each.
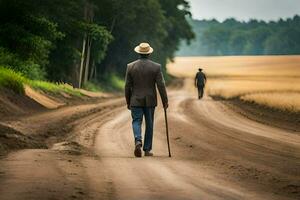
(272,81)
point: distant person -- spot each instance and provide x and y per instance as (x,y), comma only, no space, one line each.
(142,77)
(200,81)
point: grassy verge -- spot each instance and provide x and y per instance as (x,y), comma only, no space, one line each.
(12,80)
(16,82)
(109,83)
(54,88)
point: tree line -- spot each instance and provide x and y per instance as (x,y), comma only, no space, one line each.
(77,41)
(232,37)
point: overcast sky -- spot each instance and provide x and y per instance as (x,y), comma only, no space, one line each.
(244,9)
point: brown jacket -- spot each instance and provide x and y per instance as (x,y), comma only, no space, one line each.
(142,77)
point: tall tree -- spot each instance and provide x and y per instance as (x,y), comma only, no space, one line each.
(74,41)
(177,28)
(162,23)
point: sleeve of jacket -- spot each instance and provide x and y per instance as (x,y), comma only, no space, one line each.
(205,79)
(160,82)
(196,79)
(128,86)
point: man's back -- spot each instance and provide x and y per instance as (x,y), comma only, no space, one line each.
(200,78)
(142,76)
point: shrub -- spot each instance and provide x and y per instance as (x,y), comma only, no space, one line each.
(109,82)
(12,80)
(116,82)
(28,68)
(93,86)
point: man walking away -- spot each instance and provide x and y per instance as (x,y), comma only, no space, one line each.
(200,81)
(142,78)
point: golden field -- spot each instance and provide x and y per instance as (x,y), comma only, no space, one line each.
(272,81)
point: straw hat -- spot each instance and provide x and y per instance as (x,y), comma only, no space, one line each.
(143,48)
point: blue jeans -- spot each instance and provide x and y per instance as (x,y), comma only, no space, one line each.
(137,114)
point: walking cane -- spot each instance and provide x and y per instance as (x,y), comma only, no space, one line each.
(167,131)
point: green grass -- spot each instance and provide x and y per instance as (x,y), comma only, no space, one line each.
(12,80)
(54,88)
(109,83)
(94,87)
(16,82)
(116,82)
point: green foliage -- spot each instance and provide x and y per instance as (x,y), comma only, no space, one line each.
(27,68)
(11,80)
(196,46)
(26,37)
(44,39)
(23,38)
(232,37)
(93,87)
(284,41)
(256,40)
(15,81)
(116,82)
(237,41)
(100,37)
(162,23)
(55,88)
(217,39)
(109,83)
(112,82)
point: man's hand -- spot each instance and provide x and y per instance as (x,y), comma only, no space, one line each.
(166,105)
(128,107)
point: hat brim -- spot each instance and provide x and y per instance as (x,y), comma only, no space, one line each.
(137,50)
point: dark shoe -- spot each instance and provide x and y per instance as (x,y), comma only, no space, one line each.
(148,153)
(137,150)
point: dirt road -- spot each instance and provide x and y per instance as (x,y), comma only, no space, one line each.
(217,154)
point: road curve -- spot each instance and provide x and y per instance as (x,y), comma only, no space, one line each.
(217,154)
